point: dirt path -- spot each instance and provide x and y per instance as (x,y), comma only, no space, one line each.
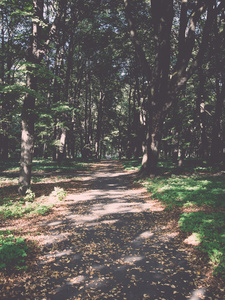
(110,241)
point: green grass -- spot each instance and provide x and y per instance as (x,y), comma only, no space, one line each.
(211,232)
(52,166)
(194,186)
(27,206)
(13,251)
(134,164)
(18,209)
(185,190)
(14,248)
(9,165)
(46,165)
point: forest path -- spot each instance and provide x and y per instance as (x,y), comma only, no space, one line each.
(111,241)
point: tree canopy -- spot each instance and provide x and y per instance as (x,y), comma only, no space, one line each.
(122,78)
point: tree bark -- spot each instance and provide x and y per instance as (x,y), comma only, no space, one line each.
(217,135)
(201,114)
(4,108)
(99,126)
(158,99)
(33,57)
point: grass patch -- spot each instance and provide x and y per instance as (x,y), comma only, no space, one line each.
(194,186)
(19,209)
(183,190)
(46,165)
(9,165)
(52,166)
(13,251)
(211,232)
(12,206)
(134,164)
(27,206)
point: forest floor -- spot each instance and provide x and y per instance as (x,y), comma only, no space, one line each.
(107,239)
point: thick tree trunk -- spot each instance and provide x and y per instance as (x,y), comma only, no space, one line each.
(158,90)
(152,145)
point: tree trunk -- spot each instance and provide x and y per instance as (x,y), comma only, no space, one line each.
(4,108)
(62,145)
(99,126)
(27,140)
(217,144)
(158,89)
(201,114)
(128,152)
(28,115)
(137,124)
(151,145)
(157,78)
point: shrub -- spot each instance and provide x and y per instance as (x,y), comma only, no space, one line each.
(29,196)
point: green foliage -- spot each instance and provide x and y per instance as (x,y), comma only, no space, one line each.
(13,251)
(17,209)
(134,164)
(211,230)
(59,193)
(29,195)
(12,209)
(41,210)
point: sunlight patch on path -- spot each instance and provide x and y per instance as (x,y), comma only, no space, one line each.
(100,210)
(198,294)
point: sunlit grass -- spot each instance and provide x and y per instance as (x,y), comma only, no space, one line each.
(18,209)
(189,187)
(182,189)
(211,231)
(46,165)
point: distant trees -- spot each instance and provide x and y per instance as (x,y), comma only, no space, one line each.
(126,78)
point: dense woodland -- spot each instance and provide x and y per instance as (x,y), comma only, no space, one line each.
(121,78)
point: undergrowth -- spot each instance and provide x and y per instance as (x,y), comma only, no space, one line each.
(13,247)
(28,206)
(13,251)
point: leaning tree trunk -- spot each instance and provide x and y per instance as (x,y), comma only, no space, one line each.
(33,56)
